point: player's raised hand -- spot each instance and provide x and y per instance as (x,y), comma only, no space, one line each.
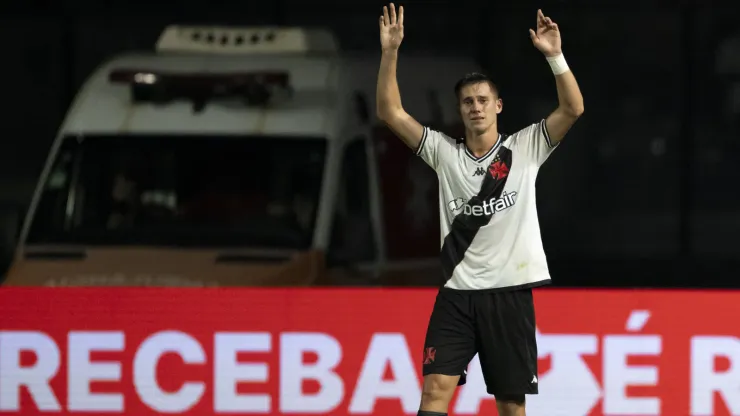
(547,36)
(391,28)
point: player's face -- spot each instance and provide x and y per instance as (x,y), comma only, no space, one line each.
(479,106)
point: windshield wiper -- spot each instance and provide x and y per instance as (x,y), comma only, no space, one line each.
(261,256)
(55,253)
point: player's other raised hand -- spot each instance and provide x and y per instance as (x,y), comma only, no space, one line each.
(391,28)
(547,36)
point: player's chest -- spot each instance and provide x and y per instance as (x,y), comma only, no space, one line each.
(465,174)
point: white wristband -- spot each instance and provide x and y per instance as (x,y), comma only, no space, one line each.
(558,64)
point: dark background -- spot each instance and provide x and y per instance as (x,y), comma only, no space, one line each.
(644,191)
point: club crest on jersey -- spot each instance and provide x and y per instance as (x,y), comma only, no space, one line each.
(488,207)
(498,169)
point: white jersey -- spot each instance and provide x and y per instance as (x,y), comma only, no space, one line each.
(490,233)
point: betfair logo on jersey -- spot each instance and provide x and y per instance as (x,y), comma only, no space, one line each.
(488,207)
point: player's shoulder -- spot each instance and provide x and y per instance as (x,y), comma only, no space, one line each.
(530,129)
(525,134)
(439,135)
(443,142)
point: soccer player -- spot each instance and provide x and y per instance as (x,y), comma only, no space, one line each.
(491,249)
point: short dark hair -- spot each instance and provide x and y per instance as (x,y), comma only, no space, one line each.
(474,78)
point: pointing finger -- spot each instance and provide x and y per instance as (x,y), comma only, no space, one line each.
(382,22)
(386,19)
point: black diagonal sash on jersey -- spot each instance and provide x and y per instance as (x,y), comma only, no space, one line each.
(465,227)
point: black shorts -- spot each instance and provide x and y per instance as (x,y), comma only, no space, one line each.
(498,326)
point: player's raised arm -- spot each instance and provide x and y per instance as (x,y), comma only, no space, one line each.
(388,96)
(570,101)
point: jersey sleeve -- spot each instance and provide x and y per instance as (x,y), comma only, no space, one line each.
(434,146)
(534,142)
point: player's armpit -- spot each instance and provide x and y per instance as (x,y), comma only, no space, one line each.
(557,125)
(406,128)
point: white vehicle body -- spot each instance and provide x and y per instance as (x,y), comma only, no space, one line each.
(331,101)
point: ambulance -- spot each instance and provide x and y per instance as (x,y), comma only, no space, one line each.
(238,156)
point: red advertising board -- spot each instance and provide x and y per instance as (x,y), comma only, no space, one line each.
(129,351)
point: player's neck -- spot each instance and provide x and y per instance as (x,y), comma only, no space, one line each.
(480,144)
